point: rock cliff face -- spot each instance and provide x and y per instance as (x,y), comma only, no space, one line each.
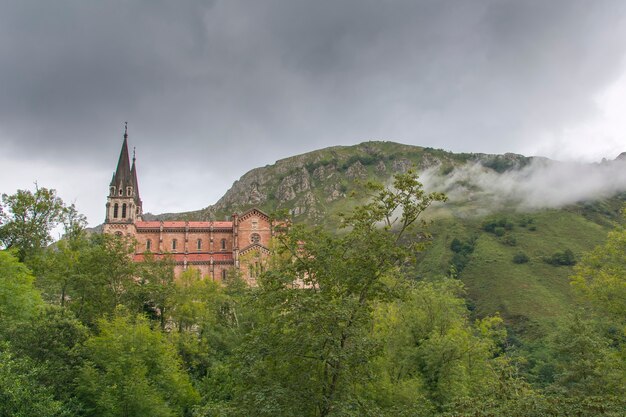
(313,185)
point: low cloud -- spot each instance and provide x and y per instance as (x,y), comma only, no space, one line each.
(541,184)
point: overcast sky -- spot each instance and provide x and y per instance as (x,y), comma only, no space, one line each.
(212,89)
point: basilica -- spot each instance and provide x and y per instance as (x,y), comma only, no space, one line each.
(215,248)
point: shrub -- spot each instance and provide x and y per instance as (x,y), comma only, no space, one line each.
(456,245)
(459,261)
(520,258)
(494,224)
(462,250)
(565,258)
(526,221)
(463,247)
(509,240)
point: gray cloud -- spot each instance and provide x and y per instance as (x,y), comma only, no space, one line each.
(214,88)
(541,184)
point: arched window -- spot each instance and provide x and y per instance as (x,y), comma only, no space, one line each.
(255,238)
(120,190)
(174,244)
(199,244)
(112,191)
(148,245)
(224,275)
(223,244)
(115,210)
(124,211)
(129,191)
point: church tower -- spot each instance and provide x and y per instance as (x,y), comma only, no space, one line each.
(123,202)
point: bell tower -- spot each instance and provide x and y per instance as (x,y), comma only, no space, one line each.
(123,202)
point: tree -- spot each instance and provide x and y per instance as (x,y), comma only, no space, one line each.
(587,362)
(20,395)
(101,278)
(600,279)
(27,219)
(593,354)
(312,347)
(212,321)
(133,370)
(19,299)
(51,341)
(57,268)
(432,355)
(152,290)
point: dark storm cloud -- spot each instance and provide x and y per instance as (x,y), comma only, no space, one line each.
(203,81)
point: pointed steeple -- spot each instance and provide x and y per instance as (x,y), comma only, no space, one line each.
(122,177)
(133,174)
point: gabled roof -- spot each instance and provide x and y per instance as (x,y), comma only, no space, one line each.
(254,246)
(252,212)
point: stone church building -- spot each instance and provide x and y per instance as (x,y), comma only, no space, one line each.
(215,248)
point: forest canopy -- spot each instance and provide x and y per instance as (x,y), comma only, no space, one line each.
(340,324)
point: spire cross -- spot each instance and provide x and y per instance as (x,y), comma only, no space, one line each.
(125,129)
(133,154)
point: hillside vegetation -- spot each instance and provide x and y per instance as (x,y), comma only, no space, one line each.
(315,187)
(367,320)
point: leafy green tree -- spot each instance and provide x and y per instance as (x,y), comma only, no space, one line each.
(27,219)
(586,362)
(592,354)
(600,279)
(312,346)
(58,268)
(51,341)
(19,299)
(194,298)
(101,278)
(152,289)
(431,349)
(133,370)
(74,224)
(212,321)
(20,395)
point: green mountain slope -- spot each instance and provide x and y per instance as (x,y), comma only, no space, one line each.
(530,296)
(315,186)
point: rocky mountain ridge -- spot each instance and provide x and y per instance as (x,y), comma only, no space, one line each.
(313,185)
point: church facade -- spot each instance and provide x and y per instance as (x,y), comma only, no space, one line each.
(215,248)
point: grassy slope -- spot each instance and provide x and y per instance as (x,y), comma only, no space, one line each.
(529,296)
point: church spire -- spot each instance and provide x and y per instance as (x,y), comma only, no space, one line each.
(123,203)
(133,174)
(122,177)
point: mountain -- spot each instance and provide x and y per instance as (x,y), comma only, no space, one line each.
(317,184)
(508,216)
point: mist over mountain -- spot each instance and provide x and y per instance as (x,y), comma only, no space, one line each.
(315,185)
(542,183)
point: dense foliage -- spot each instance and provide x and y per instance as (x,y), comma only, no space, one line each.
(341,324)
